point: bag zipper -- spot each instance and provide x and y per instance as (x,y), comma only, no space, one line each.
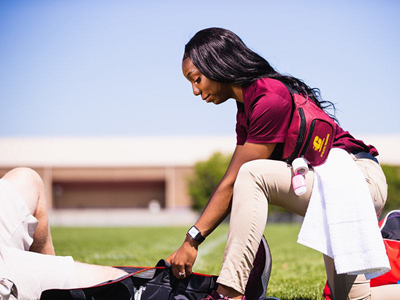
(301,135)
(310,133)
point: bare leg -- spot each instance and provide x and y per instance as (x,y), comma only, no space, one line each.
(88,275)
(31,187)
(32,273)
(229,292)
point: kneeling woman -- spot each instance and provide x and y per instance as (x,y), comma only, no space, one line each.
(219,66)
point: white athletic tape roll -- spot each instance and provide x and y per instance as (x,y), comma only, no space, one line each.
(300,166)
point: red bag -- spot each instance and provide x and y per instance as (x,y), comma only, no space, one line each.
(311,132)
(390,230)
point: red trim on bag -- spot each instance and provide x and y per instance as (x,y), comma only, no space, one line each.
(148,268)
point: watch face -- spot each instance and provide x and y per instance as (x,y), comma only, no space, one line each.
(193,232)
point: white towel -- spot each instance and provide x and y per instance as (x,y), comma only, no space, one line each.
(341,221)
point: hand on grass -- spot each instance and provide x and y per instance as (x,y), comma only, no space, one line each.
(182,260)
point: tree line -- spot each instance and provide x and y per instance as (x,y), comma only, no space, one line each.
(208,173)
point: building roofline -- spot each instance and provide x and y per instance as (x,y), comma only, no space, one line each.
(141,151)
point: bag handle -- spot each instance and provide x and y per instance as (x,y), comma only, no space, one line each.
(128,283)
(169,277)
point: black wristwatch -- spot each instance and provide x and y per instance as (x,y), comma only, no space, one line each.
(195,234)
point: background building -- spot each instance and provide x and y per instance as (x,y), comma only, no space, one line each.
(126,181)
(117,181)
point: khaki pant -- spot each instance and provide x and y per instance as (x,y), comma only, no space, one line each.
(263,182)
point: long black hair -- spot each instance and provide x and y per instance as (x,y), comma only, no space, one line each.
(221,55)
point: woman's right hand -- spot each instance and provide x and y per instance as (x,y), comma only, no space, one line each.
(169,258)
(182,260)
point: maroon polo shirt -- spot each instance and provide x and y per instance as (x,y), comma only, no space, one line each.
(265,114)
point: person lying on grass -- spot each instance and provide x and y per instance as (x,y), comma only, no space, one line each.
(28,264)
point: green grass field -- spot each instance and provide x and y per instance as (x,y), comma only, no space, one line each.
(297,272)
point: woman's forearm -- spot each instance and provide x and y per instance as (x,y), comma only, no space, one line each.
(219,205)
(217,209)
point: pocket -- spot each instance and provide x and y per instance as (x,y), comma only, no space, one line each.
(318,143)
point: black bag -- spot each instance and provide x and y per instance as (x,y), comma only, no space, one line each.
(146,283)
(158,283)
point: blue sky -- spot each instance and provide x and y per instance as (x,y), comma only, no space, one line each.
(113,68)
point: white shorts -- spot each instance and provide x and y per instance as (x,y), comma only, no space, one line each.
(24,274)
(17,225)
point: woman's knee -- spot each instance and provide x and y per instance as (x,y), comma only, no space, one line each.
(254,169)
(248,175)
(263,172)
(29,184)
